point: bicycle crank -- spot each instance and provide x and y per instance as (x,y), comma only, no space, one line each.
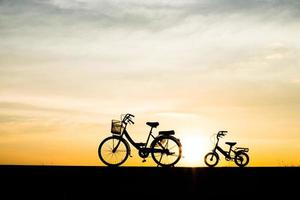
(143,154)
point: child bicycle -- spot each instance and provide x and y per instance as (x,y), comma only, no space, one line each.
(239,155)
(165,149)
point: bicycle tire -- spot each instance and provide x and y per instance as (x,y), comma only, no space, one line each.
(106,154)
(172,148)
(213,155)
(244,158)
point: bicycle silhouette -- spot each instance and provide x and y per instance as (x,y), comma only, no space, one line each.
(165,149)
(239,154)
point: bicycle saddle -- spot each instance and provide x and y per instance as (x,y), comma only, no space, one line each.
(230,143)
(152,124)
(172,132)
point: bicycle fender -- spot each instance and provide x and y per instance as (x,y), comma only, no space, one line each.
(241,151)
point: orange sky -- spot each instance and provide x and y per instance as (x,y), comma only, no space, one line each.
(68,67)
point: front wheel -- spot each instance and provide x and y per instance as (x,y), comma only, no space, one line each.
(211,159)
(241,159)
(113,151)
(166,151)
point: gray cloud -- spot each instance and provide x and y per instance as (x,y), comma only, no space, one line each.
(50,21)
(151,15)
(208,35)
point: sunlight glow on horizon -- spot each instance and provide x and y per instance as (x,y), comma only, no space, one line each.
(194,149)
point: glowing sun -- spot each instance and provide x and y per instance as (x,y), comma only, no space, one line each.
(193,150)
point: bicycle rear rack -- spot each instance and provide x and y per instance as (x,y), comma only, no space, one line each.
(242,148)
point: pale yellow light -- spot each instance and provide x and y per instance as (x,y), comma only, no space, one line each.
(194,148)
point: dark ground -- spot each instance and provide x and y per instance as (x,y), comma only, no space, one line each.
(64,182)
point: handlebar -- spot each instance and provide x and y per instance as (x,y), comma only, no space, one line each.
(127,118)
(130,121)
(130,115)
(221,133)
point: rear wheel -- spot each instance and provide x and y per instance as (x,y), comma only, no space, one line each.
(211,159)
(241,159)
(113,151)
(166,151)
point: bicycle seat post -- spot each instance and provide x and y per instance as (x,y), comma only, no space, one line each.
(150,130)
(150,133)
(229,151)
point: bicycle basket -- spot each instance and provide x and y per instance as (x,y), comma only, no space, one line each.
(116,127)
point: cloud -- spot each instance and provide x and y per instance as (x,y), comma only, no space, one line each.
(140,15)
(89,47)
(69,20)
(186,7)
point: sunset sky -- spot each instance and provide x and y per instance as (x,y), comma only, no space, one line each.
(67,67)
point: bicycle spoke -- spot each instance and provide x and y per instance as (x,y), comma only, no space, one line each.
(109,146)
(113,151)
(167,144)
(167,153)
(116,156)
(160,145)
(173,146)
(108,152)
(111,155)
(157,154)
(160,157)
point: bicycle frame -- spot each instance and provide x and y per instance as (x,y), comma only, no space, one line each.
(135,144)
(225,153)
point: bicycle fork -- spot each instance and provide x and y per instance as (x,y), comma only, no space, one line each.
(117,146)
